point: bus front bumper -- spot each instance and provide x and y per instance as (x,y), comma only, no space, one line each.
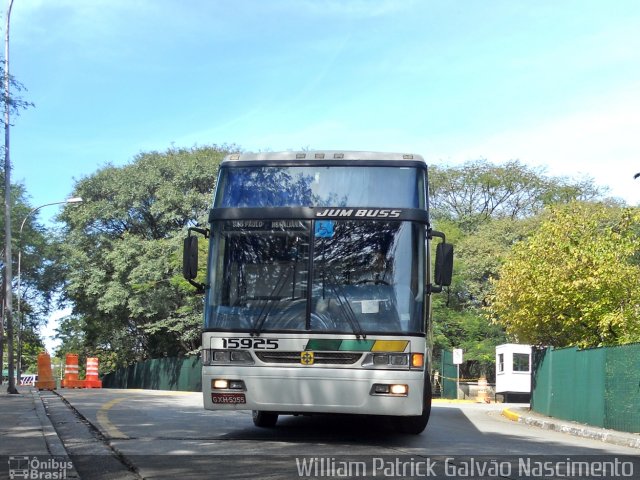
(314,390)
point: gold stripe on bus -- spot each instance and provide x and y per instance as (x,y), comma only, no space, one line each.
(390,345)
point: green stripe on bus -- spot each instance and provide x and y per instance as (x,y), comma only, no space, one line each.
(357,345)
(326,344)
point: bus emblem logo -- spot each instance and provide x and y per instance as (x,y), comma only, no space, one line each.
(306,358)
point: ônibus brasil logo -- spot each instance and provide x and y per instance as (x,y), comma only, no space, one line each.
(53,468)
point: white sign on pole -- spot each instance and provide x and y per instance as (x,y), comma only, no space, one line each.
(457,360)
(457,356)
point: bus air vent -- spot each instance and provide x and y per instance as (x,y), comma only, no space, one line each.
(326,358)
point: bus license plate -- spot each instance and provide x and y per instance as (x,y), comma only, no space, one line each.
(228,398)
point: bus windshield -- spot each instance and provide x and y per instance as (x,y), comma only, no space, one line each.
(343,276)
(320,186)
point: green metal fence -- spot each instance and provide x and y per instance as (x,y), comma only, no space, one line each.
(449,375)
(599,386)
(159,374)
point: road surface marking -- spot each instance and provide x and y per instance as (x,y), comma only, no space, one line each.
(102,417)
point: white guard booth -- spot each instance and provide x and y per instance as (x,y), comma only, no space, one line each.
(513,372)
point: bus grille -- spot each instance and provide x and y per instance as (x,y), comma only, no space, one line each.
(326,358)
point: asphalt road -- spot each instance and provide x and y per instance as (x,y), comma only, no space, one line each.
(154,434)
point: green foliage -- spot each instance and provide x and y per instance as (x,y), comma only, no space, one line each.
(481,254)
(31,346)
(40,274)
(468,329)
(458,319)
(479,191)
(124,248)
(575,280)
(16,102)
(71,332)
(485,210)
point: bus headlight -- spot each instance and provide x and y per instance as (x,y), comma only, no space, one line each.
(398,389)
(386,360)
(390,389)
(224,384)
(226,357)
(220,384)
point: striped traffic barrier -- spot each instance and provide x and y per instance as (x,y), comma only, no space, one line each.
(91,379)
(71,372)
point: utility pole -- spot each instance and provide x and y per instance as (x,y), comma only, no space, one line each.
(2,330)
(7,214)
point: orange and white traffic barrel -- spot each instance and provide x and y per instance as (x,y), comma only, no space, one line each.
(71,372)
(91,379)
(45,376)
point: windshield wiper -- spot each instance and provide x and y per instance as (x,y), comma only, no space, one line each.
(269,302)
(345,307)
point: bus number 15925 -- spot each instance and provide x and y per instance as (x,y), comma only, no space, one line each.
(248,342)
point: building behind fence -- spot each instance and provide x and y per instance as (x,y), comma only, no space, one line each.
(599,386)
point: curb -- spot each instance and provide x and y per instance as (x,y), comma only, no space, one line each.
(514,417)
(54,443)
(578,430)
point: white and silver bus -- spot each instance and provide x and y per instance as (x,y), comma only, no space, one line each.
(317,291)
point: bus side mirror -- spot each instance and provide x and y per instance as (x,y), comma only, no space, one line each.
(190,258)
(444,264)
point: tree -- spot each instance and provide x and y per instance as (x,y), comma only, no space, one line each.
(479,191)
(468,329)
(575,280)
(481,254)
(40,272)
(124,249)
(485,209)
(16,102)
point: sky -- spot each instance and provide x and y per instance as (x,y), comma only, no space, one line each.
(552,84)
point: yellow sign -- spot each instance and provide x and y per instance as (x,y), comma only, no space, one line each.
(306,358)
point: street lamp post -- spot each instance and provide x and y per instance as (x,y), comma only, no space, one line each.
(7,211)
(19,292)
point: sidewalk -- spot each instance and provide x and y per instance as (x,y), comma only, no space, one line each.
(25,430)
(529,417)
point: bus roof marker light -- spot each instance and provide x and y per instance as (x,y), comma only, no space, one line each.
(338,156)
(407,157)
(319,156)
(301,156)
